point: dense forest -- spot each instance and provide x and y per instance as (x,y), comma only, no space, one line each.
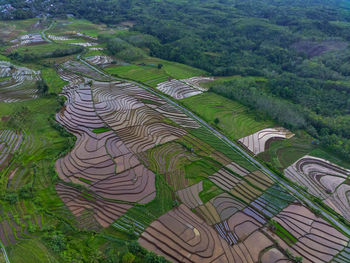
(299,47)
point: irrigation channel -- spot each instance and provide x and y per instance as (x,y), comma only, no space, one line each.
(235,147)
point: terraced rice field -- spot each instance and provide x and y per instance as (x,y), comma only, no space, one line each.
(170,160)
(100,60)
(235,119)
(10,142)
(85,44)
(82,69)
(149,75)
(100,161)
(324,180)
(115,124)
(58,38)
(132,147)
(19,83)
(178,89)
(196,82)
(181,236)
(257,142)
(317,241)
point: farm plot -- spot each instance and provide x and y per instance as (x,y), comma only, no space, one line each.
(177,89)
(180,236)
(86,44)
(96,48)
(174,114)
(100,60)
(26,40)
(323,179)
(79,68)
(195,82)
(316,240)
(121,106)
(58,38)
(190,195)
(272,201)
(257,142)
(226,179)
(10,142)
(100,160)
(170,160)
(19,83)
(244,185)
(105,212)
(12,230)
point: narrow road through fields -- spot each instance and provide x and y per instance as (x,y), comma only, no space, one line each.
(236,148)
(43,33)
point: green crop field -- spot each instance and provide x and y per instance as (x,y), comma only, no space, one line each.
(39,50)
(235,120)
(79,25)
(149,74)
(283,153)
(53,81)
(174,69)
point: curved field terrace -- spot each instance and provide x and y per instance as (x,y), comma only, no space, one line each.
(178,89)
(257,142)
(323,179)
(115,123)
(19,83)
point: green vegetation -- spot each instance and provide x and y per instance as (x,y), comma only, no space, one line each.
(147,71)
(210,190)
(52,79)
(33,53)
(198,170)
(101,130)
(78,25)
(282,232)
(282,64)
(235,119)
(174,69)
(149,75)
(206,136)
(283,153)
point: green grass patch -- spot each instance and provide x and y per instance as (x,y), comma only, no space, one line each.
(149,75)
(53,81)
(222,80)
(210,190)
(79,25)
(234,119)
(147,71)
(31,251)
(321,153)
(283,153)
(148,101)
(101,130)
(84,180)
(4,78)
(40,49)
(4,58)
(206,136)
(198,170)
(174,69)
(283,233)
